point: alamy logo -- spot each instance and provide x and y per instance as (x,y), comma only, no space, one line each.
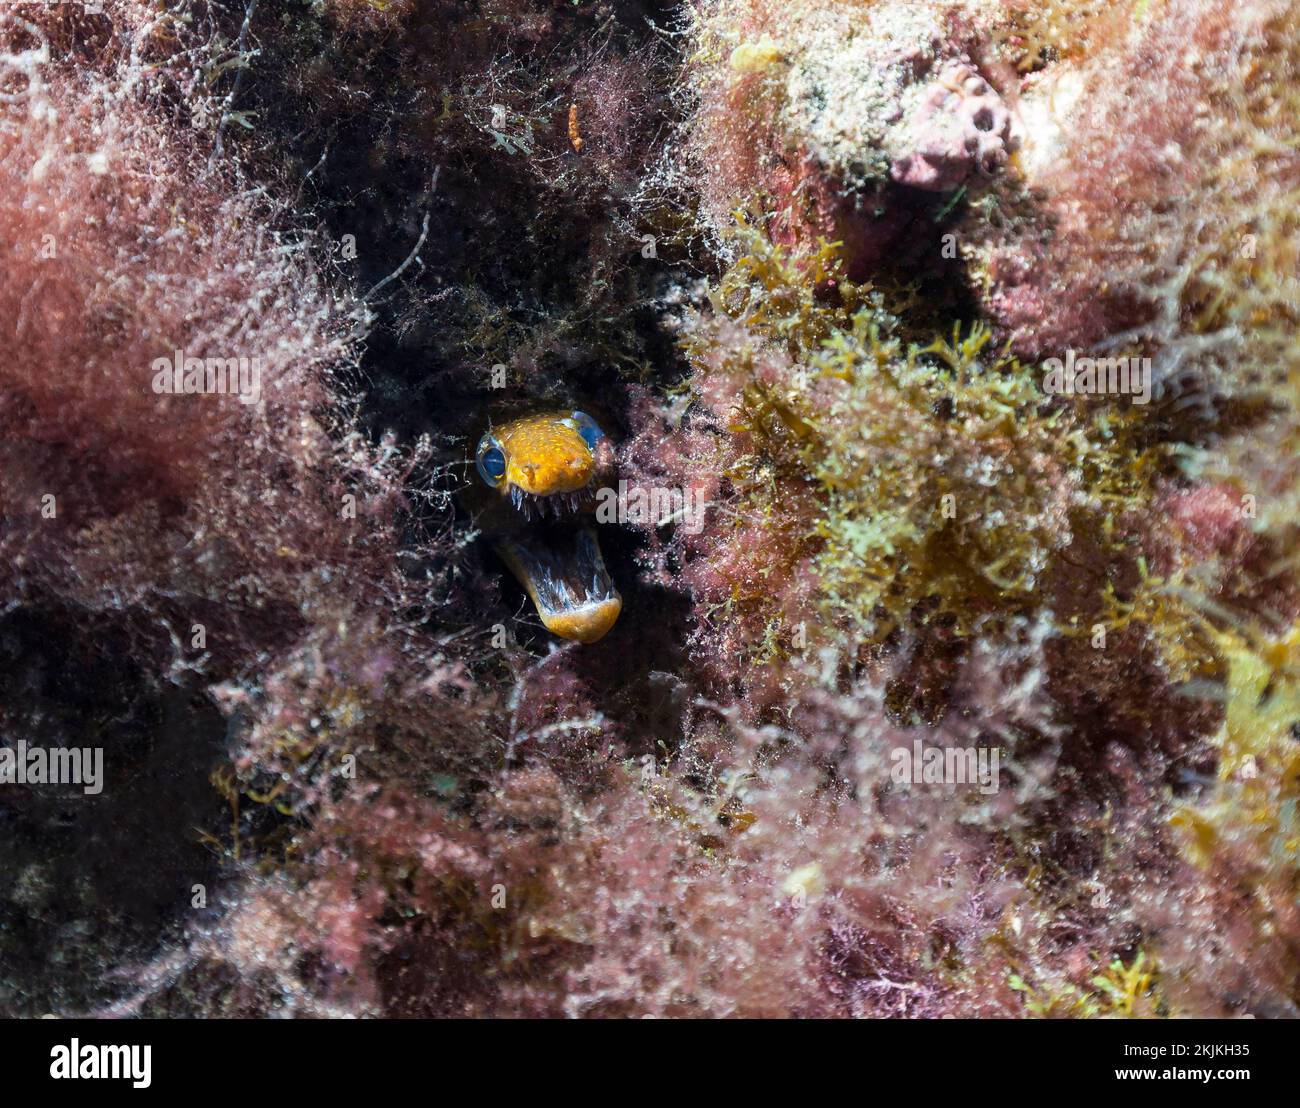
(182,375)
(634,504)
(88,1061)
(1098,376)
(60,765)
(947,765)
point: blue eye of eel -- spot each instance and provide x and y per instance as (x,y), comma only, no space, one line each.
(587,428)
(491,464)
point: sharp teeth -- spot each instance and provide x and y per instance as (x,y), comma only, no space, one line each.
(559,504)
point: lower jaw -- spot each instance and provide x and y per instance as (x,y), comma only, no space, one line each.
(565,577)
(586,624)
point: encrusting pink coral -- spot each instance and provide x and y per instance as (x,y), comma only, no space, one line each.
(831,113)
(960,126)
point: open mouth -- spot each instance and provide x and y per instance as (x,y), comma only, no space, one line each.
(564,574)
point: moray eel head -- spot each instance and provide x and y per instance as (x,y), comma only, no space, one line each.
(544,463)
(546,466)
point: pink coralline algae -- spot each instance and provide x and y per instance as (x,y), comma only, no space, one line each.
(842,114)
(959,126)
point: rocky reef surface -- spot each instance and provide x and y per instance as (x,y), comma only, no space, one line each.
(962,676)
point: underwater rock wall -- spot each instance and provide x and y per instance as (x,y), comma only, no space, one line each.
(970,325)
